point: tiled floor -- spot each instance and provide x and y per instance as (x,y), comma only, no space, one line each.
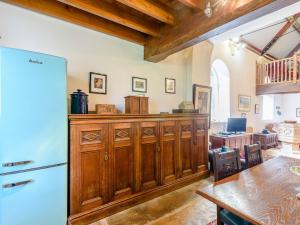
(180,207)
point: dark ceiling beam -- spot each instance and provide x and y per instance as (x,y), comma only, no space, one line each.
(198,27)
(286,26)
(115,14)
(152,9)
(79,17)
(294,50)
(256,50)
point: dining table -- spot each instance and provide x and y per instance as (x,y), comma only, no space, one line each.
(266,194)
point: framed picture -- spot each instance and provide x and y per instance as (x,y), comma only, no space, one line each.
(98,83)
(139,84)
(244,103)
(170,86)
(202,98)
(256,110)
(298,112)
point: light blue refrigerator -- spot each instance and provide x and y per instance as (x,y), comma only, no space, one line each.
(33,138)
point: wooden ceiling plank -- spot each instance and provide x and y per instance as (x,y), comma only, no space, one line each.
(151,9)
(287,25)
(198,27)
(297,47)
(195,4)
(112,13)
(79,17)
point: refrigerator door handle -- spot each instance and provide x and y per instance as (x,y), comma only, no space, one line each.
(21,163)
(21,183)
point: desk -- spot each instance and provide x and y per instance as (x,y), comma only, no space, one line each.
(264,194)
(231,141)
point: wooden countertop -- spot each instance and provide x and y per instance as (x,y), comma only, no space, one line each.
(264,194)
(131,116)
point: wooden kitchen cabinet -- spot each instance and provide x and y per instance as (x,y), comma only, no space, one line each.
(121,154)
(186,154)
(200,140)
(89,167)
(169,151)
(149,148)
(117,161)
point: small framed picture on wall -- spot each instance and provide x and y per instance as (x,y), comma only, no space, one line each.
(244,103)
(98,83)
(170,86)
(139,84)
(298,112)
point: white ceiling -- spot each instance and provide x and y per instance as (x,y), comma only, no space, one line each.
(261,31)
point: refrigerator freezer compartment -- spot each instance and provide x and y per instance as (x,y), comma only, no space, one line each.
(34,198)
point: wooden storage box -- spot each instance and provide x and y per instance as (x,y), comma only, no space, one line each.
(136,105)
(106,109)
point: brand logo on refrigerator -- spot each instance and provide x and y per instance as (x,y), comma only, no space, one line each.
(35,61)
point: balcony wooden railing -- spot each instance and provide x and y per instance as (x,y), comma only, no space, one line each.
(279,71)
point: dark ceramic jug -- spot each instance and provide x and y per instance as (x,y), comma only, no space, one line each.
(79,102)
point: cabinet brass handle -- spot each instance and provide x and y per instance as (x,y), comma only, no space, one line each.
(11,164)
(106,156)
(21,183)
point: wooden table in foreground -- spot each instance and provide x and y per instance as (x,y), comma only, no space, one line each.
(264,194)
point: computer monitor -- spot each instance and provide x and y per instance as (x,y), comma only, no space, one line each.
(236,125)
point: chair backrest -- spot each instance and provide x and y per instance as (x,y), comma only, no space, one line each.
(253,155)
(226,163)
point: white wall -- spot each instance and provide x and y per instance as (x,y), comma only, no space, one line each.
(289,104)
(90,51)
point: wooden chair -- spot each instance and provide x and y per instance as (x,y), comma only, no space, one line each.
(226,163)
(253,155)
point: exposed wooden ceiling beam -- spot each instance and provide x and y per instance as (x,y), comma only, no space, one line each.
(287,25)
(198,27)
(112,13)
(79,17)
(294,50)
(151,9)
(195,4)
(256,50)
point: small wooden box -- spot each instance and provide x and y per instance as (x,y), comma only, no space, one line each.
(136,105)
(106,109)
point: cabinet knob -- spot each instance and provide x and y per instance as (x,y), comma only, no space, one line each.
(106,156)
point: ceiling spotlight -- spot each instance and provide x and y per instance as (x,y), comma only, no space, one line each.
(208,10)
